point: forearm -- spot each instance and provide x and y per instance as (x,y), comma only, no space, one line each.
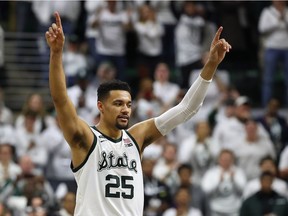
(57,81)
(188,107)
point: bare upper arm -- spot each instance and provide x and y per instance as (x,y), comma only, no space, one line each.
(76,132)
(145,133)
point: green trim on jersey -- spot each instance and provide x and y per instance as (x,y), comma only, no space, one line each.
(109,138)
(137,146)
(75,169)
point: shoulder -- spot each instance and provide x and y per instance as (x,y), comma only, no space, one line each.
(145,132)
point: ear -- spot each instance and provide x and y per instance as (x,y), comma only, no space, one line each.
(100,106)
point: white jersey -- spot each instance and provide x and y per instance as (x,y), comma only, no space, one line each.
(110,180)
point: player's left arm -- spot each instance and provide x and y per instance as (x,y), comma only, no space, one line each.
(148,131)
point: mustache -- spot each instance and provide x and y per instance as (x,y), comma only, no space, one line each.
(124,116)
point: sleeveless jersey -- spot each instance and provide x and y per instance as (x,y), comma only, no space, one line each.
(110,180)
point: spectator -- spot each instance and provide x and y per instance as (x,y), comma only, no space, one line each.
(275,124)
(58,166)
(7,134)
(157,197)
(182,204)
(149,32)
(199,151)
(198,199)
(92,9)
(27,185)
(189,38)
(250,150)
(155,150)
(43,11)
(80,97)
(35,103)
(69,11)
(73,60)
(167,91)
(283,164)
(104,72)
(166,17)
(227,132)
(273,28)
(68,204)
(9,170)
(112,25)
(166,167)
(36,207)
(147,104)
(6,115)
(267,164)
(225,189)
(29,142)
(266,201)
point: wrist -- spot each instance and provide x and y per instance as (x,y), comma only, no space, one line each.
(212,63)
(57,54)
(209,70)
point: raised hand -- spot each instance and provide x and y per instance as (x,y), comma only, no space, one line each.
(54,36)
(218,48)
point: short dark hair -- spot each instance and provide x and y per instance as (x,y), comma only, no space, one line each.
(108,86)
(185,166)
(267,158)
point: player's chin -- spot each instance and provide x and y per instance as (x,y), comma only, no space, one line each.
(121,125)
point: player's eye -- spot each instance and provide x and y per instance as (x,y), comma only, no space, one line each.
(117,103)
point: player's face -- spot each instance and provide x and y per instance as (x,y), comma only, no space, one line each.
(117,109)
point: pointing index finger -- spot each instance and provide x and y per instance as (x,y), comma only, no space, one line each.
(58,20)
(217,35)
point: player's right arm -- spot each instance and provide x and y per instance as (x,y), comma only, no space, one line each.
(76,131)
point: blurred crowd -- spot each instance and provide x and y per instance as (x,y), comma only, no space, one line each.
(226,161)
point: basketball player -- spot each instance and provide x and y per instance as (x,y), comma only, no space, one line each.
(106,157)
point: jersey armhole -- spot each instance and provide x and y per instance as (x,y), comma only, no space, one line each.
(134,141)
(75,169)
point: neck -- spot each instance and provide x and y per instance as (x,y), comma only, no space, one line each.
(5,163)
(182,210)
(201,139)
(111,132)
(252,139)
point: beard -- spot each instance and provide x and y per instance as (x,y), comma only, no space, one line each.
(121,126)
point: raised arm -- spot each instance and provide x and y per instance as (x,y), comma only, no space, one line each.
(76,132)
(150,130)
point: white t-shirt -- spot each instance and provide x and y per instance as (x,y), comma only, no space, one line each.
(249,155)
(187,39)
(225,195)
(191,212)
(112,38)
(283,161)
(167,92)
(149,37)
(273,28)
